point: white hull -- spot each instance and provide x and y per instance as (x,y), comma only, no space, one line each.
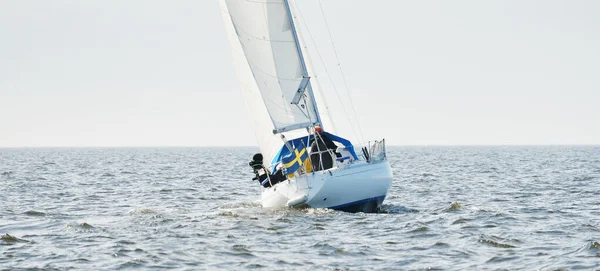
(359,186)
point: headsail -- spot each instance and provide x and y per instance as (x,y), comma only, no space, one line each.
(268,143)
(266,35)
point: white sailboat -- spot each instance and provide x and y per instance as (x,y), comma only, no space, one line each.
(288,110)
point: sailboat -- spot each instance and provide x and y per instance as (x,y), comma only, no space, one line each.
(291,118)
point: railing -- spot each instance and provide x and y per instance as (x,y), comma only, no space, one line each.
(372,151)
(377,151)
(321,154)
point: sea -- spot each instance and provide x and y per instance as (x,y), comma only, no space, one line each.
(449,208)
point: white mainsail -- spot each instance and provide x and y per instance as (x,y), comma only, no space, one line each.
(325,115)
(265,33)
(270,69)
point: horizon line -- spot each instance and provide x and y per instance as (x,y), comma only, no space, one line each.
(250,146)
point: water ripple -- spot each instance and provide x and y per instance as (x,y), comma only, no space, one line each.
(450,208)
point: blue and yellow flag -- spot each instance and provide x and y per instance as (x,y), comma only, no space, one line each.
(293,161)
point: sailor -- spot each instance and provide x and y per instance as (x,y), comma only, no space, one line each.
(262,174)
(320,155)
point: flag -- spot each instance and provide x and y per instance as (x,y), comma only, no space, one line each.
(294,160)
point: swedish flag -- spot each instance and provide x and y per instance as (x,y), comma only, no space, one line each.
(294,160)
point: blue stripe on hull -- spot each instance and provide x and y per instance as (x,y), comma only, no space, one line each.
(370,205)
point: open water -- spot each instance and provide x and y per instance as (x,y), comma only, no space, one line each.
(450,208)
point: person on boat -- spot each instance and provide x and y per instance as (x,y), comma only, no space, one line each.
(321,149)
(262,174)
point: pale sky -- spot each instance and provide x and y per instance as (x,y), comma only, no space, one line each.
(160,73)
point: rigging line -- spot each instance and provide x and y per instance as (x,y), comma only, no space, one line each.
(327,72)
(341,70)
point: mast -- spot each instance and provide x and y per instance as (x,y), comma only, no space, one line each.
(305,84)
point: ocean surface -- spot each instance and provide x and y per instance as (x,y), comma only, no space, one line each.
(450,208)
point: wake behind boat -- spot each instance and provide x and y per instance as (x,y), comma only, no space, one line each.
(307,164)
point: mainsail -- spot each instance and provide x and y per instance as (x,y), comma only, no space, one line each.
(271,69)
(266,35)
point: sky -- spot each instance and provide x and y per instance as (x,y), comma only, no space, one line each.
(160,73)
